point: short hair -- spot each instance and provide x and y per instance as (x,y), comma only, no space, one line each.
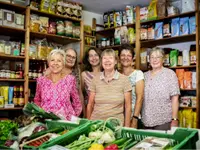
(109,52)
(127,47)
(55,52)
(157,49)
(86,63)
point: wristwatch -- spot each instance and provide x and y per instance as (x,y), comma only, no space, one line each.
(176,119)
(135,117)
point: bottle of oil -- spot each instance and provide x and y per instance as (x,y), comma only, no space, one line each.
(21,101)
(15,97)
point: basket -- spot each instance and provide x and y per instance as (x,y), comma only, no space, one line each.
(181,139)
(57,123)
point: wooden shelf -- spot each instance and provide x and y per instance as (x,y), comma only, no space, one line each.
(10,6)
(112,30)
(32,80)
(53,16)
(191,13)
(54,38)
(187,107)
(37,59)
(89,36)
(11,31)
(168,40)
(12,80)
(4,56)
(182,67)
(15,108)
(89,46)
(188,89)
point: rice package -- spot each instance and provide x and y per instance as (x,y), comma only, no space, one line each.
(124,18)
(186,57)
(118,17)
(184,26)
(106,20)
(188,118)
(180,76)
(187,80)
(173,56)
(175,28)
(130,14)
(188,5)
(131,35)
(143,13)
(180,116)
(192,25)
(159,30)
(117,36)
(152,10)
(194,119)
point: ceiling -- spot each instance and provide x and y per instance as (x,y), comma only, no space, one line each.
(101,6)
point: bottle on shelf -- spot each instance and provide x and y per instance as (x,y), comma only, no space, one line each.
(21,101)
(34,71)
(15,96)
(30,74)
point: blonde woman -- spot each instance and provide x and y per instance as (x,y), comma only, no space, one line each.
(109,92)
(161,93)
(54,90)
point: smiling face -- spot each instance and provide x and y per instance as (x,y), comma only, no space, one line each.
(108,62)
(156,60)
(93,58)
(126,58)
(56,63)
(70,58)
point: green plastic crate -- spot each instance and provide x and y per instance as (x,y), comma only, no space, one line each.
(54,124)
(183,138)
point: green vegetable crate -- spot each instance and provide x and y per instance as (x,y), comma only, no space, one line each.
(52,124)
(181,139)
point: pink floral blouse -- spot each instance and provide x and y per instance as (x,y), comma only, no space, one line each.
(55,98)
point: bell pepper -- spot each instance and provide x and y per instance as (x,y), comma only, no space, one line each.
(112,147)
(96,146)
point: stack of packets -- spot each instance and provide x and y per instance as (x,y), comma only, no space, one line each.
(186,79)
(187,118)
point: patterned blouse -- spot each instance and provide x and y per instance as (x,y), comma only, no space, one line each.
(157,104)
(134,77)
(55,98)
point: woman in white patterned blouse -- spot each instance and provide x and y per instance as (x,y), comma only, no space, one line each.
(160,105)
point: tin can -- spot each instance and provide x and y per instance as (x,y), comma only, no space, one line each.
(1,101)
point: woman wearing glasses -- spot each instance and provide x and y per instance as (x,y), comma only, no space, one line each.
(160,105)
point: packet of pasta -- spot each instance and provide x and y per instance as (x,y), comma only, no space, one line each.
(180,75)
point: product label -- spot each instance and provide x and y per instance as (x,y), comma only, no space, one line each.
(9,17)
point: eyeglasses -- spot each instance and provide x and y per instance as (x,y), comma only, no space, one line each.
(127,56)
(155,58)
(71,57)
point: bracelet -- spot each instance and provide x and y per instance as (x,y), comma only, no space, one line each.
(176,119)
(136,117)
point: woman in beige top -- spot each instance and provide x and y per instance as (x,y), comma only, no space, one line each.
(109,92)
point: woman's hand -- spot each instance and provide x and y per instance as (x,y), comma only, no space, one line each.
(134,123)
(174,123)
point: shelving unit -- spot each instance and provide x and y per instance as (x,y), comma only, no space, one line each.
(169,40)
(26,35)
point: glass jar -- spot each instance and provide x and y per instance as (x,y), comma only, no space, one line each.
(7,74)
(108,42)
(103,42)
(12,74)
(34,74)
(17,75)
(3,74)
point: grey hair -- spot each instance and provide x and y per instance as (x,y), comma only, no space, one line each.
(157,49)
(57,51)
(109,52)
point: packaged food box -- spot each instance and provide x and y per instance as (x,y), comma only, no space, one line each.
(175,28)
(184,26)
(106,20)
(159,30)
(143,13)
(143,32)
(192,24)
(19,21)
(8,18)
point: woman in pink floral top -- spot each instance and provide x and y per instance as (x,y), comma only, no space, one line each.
(54,90)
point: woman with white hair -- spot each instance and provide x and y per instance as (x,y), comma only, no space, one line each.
(161,93)
(54,90)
